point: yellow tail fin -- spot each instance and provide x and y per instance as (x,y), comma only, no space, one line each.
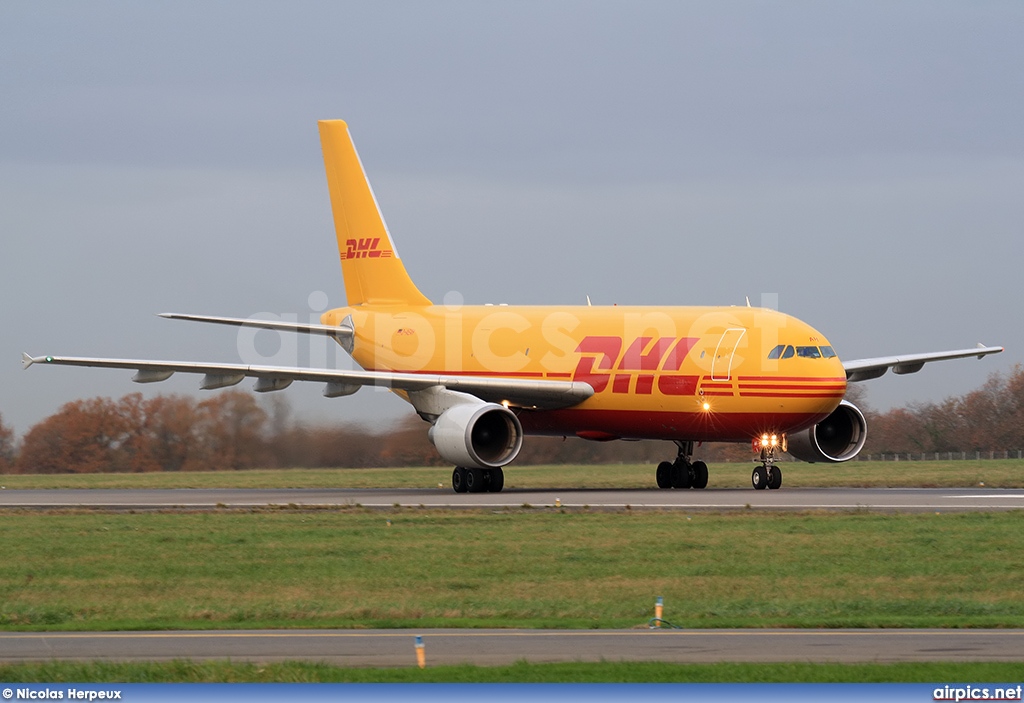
(373,272)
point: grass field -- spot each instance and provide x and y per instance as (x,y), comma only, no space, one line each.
(999,473)
(351,568)
(605,672)
(519,568)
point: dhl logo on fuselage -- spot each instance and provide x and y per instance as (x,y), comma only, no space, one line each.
(603,363)
(365,248)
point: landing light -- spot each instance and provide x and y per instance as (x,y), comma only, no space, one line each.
(770,441)
(706,406)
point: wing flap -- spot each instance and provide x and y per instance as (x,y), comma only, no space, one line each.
(866,369)
(528,393)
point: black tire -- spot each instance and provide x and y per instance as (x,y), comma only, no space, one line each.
(775,478)
(495,480)
(663,475)
(759,478)
(475,481)
(700,474)
(459,479)
(681,475)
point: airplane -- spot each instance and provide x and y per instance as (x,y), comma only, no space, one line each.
(485,376)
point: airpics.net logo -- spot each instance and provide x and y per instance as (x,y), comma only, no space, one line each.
(978,693)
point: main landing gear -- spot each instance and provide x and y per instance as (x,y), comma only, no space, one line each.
(768,475)
(682,473)
(477,480)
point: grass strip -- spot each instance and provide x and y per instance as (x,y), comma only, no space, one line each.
(515,568)
(605,672)
(998,473)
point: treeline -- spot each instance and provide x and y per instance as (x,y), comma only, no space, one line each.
(135,434)
(230,430)
(990,418)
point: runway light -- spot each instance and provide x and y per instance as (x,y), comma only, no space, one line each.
(421,654)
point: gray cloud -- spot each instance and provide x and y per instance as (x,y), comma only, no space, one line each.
(862,160)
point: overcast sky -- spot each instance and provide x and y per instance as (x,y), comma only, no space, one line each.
(863,161)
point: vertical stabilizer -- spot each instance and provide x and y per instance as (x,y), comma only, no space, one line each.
(373,272)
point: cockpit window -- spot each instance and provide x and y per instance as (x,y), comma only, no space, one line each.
(787,351)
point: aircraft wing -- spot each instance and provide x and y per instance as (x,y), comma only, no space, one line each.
(527,393)
(865,369)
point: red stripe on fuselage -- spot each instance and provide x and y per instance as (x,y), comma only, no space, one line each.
(806,379)
(793,386)
(790,395)
(660,424)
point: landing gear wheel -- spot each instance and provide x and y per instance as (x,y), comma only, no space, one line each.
(681,477)
(775,478)
(759,479)
(475,481)
(663,475)
(700,474)
(459,479)
(495,480)
(682,473)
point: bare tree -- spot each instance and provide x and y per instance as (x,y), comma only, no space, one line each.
(7,446)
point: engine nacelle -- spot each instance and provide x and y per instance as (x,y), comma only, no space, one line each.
(839,437)
(477,435)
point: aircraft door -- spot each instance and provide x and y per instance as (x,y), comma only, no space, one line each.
(721,364)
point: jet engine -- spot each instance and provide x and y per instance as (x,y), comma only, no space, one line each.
(839,437)
(477,435)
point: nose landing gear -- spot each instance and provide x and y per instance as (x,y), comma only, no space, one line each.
(768,475)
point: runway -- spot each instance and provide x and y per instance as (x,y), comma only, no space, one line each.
(377,648)
(792,499)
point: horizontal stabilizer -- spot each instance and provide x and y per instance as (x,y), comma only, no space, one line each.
(342,333)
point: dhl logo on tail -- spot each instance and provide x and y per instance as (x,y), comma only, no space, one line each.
(365,248)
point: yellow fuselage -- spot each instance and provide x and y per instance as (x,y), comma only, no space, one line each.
(695,373)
